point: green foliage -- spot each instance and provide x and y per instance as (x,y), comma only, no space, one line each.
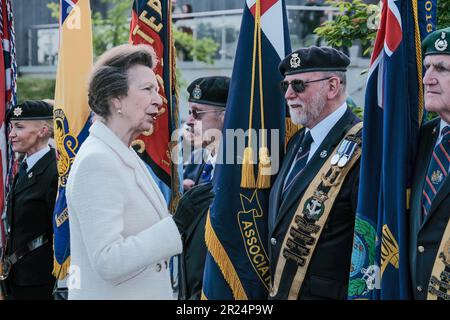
(431,116)
(114,29)
(443,14)
(356,287)
(29,88)
(358,111)
(200,49)
(356,21)
(366,231)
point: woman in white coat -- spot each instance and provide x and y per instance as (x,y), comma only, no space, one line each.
(121,234)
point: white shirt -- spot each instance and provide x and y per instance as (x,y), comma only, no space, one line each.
(35,157)
(441,126)
(212,160)
(321,130)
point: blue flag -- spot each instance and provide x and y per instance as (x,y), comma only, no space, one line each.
(237,265)
(392,116)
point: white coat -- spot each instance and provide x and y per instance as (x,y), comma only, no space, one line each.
(121,234)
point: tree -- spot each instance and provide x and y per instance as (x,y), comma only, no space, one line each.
(443,14)
(113,30)
(358,21)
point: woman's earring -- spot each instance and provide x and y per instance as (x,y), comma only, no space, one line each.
(119,111)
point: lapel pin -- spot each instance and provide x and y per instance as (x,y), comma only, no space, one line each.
(323,154)
(30,175)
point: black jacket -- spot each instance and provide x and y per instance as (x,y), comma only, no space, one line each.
(328,273)
(29,214)
(192,260)
(425,236)
(192,210)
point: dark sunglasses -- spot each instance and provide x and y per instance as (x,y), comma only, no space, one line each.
(299,86)
(195,113)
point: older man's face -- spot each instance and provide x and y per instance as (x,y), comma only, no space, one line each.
(437,85)
(207,125)
(306,107)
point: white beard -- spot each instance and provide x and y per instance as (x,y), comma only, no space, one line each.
(309,111)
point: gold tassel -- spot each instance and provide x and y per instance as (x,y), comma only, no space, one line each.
(291,129)
(60,271)
(264,169)
(248,173)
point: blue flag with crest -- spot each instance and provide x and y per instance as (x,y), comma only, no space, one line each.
(237,265)
(392,116)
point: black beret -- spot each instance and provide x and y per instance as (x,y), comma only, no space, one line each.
(31,110)
(437,42)
(210,90)
(314,59)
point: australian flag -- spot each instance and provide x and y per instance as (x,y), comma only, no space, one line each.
(392,116)
(237,265)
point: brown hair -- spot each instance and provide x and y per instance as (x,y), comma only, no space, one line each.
(109,77)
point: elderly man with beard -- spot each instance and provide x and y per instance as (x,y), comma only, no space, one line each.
(313,201)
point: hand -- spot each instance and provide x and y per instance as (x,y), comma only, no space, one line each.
(191,204)
(188,184)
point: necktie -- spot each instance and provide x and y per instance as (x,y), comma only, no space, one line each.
(299,161)
(22,170)
(206,173)
(437,170)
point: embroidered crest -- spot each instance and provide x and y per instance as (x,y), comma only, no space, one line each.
(364,272)
(17,111)
(436,177)
(441,44)
(66,144)
(197,93)
(295,61)
(314,206)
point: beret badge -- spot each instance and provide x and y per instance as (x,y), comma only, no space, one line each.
(197,92)
(441,44)
(17,111)
(295,61)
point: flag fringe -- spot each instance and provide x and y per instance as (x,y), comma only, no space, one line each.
(264,169)
(220,256)
(60,271)
(291,129)
(248,172)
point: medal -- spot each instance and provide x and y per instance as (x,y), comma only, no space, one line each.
(335,159)
(343,161)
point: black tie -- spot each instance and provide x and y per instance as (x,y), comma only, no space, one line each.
(299,161)
(22,170)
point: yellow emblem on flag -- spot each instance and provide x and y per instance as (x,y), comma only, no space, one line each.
(389,250)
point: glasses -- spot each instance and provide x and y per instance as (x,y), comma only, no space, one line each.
(298,85)
(195,113)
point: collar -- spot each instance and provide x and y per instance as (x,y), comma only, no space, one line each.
(320,130)
(212,159)
(441,126)
(102,132)
(35,157)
